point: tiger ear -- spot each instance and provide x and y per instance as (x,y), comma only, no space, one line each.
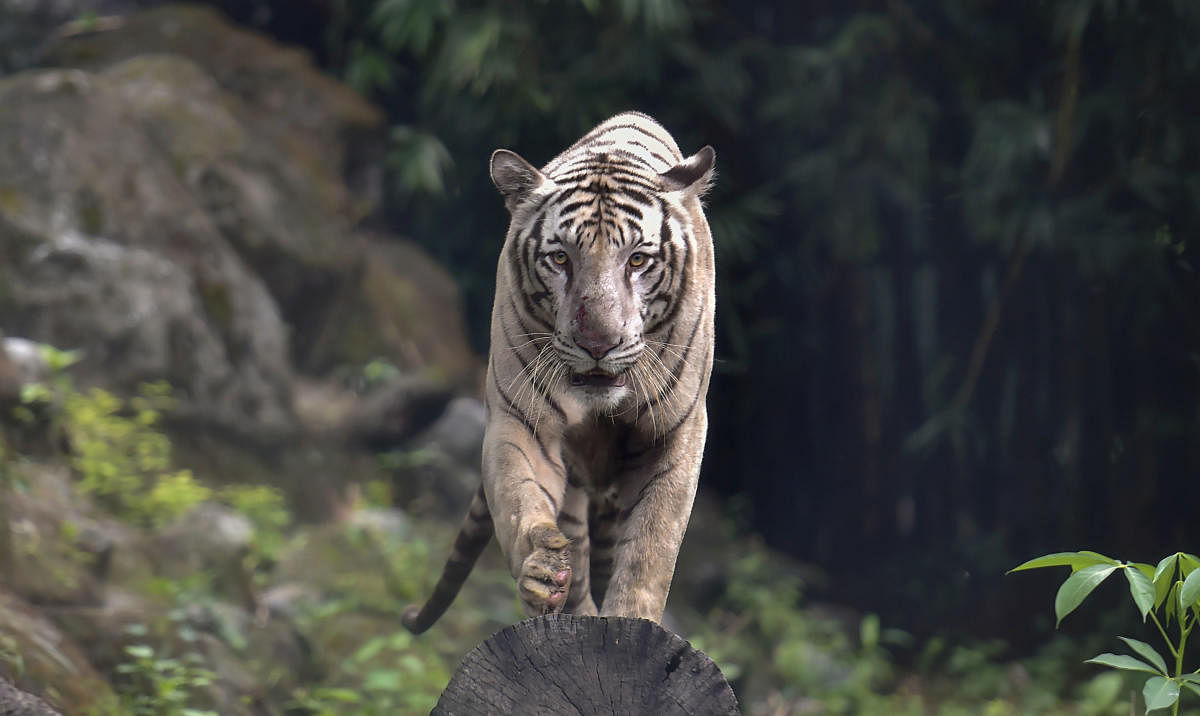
(514,177)
(694,174)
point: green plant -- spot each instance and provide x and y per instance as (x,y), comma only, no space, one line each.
(121,458)
(118,454)
(1166,592)
(160,685)
(266,508)
(388,674)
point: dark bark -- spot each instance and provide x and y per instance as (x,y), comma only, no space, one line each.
(570,664)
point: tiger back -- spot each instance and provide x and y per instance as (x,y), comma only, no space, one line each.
(601,352)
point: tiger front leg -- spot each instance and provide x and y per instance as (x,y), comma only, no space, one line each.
(545,576)
(524,491)
(658,502)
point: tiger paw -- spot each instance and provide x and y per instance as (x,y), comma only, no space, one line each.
(545,577)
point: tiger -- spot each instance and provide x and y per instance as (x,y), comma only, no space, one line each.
(601,354)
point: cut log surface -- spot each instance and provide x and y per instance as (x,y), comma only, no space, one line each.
(565,664)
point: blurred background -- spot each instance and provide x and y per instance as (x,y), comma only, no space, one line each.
(958,324)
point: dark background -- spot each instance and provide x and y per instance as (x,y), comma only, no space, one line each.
(958,304)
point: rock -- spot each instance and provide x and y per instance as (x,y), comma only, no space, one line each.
(14,702)
(209,538)
(400,305)
(103,248)
(39,658)
(458,433)
(392,414)
(275,184)
(386,521)
(20,364)
(25,25)
(63,552)
(103,630)
(254,657)
(224,154)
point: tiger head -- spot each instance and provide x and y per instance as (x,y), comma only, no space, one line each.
(600,249)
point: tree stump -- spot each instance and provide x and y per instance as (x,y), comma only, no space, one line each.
(568,664)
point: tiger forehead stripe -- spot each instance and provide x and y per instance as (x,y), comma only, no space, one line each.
(638,138)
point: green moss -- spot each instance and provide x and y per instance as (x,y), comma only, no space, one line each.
(89,212)
(218,304)
(11,200)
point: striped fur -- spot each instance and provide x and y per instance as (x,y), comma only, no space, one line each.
(602,346)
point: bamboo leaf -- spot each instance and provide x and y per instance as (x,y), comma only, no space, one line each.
(1160,693)
(1078,586)
(1148,652)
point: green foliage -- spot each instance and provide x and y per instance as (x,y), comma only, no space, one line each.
(389,674)
(266,508)
(1166,593)
(116,450)
(160,685)
(759,635)
(121,458)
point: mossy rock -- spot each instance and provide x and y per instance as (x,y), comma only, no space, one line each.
(39,658)
(402,307)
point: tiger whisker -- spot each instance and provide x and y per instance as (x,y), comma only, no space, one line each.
(668,348)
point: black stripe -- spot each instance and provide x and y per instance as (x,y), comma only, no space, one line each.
(625,513)
(602,130)
(549,498)
(691,408)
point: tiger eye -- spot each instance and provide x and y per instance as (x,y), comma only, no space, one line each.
(637,259)
(559,257)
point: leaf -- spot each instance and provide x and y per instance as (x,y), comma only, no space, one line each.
(1142,590)
(1188,563)
(1166,567)
(1160,693)
(1172,604)
(1080,584)
(1097,556)
(1163,576)
(1190,592)
(1192,687)
(1148,652)
(140,651)
(1193,678)
(1122,661)
(1074,560)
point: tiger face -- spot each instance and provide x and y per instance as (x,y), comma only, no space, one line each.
(602,265)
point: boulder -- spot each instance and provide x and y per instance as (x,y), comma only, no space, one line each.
(213,539)
(286,162)
(64,552)
(39,658)
(15,702)
(177,138)
(103,248)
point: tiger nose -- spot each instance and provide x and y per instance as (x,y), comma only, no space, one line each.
(596,346)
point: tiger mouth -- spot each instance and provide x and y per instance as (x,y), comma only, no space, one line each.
(598,379)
